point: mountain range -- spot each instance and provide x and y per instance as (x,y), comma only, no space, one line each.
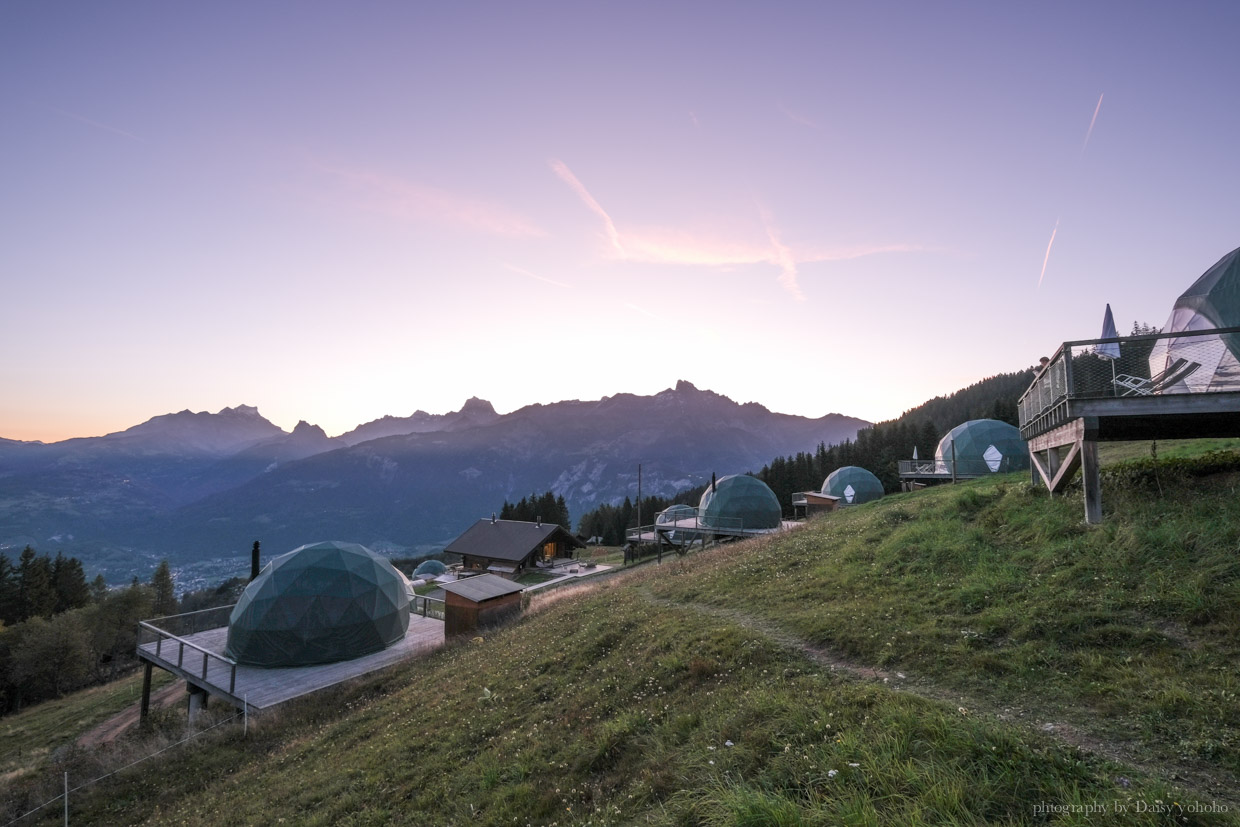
(199,488)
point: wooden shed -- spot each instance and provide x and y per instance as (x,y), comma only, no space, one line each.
(809,503)
(479,602)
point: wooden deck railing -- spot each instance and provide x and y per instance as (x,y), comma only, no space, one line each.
(162,637)
(427,607)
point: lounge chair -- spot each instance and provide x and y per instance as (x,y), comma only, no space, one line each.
(1177,371)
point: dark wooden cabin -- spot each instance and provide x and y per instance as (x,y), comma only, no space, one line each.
(510,547)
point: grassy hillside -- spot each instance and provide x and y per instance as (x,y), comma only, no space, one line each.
(962,655)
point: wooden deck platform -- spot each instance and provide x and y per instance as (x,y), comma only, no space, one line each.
(260,688)
(1076,400)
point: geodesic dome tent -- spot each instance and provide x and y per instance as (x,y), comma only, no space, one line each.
(675,514)
(853,485)
(739,501)
(1212,301)
(429,568)
(320,603)
(982,446)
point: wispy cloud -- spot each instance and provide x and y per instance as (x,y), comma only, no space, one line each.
(514,268)
(797,117)
(566,175)
(419,203)
(92,122)
(647,313)
(1092,121)
(663,245)
(1048,253)
(783,257)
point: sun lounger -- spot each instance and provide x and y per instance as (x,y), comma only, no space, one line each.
(1177,371)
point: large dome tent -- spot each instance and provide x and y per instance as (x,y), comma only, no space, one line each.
(319,603)
(1212,301)
(982,446)
(430,569)
(853,485)
(739,502)
(676,513)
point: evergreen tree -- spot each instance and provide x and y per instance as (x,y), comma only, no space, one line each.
(69,582)
(98,589)
(37,594)
(163,590)
(10,592)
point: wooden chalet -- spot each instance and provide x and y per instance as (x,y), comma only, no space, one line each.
(511,547)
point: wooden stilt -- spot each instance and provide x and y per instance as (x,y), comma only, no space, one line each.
(1092,481)
(146,692)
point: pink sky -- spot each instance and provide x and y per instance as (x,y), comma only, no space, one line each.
(340,213)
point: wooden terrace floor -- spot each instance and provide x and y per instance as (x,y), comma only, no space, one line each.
(262,688)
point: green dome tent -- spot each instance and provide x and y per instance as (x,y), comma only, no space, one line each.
(319,603)
(429,568)
(675,514)
(1212,301)
(982,446)
(853,485)
(739,501)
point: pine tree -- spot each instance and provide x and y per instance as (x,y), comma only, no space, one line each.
(37,595)
(69,582)
(165,598)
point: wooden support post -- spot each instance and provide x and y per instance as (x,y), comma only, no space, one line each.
(146,692)
(197,703)
(1092,481)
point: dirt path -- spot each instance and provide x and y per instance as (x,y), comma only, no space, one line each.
(1212,783)
(118,725)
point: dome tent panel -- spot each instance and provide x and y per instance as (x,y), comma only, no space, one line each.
(676,513)
(982,446)
(739,501)
(320,603)
(854,485)
(1211,302)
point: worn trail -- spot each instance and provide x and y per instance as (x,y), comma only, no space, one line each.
(1210,782)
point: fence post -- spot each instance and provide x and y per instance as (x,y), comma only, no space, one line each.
(66,799)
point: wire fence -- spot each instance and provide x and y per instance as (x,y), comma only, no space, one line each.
(64,796)
(1199,361)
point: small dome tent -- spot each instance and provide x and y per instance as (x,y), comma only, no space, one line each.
(853,485)
(739,501)
(429,568)
(320,603)
(1212,301)
(675,514)
(982,446)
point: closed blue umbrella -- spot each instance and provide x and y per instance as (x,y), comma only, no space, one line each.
(1111,349)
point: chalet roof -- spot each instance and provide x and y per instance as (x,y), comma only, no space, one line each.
(509,540)
(482,587)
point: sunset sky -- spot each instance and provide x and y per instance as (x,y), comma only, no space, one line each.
(340,211)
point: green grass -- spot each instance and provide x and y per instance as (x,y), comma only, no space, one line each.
(962,655)
(1113,452)
(28,738)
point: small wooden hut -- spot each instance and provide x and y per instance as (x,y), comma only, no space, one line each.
(479,602)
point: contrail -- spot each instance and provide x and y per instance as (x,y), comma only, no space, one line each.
(1048,253)
(1092,121)
(86,120)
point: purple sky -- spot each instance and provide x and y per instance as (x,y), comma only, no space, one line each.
(340,211)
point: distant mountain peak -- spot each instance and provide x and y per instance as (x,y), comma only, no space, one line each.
(305,429)
(475,405)
(242,410)
(684,386)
